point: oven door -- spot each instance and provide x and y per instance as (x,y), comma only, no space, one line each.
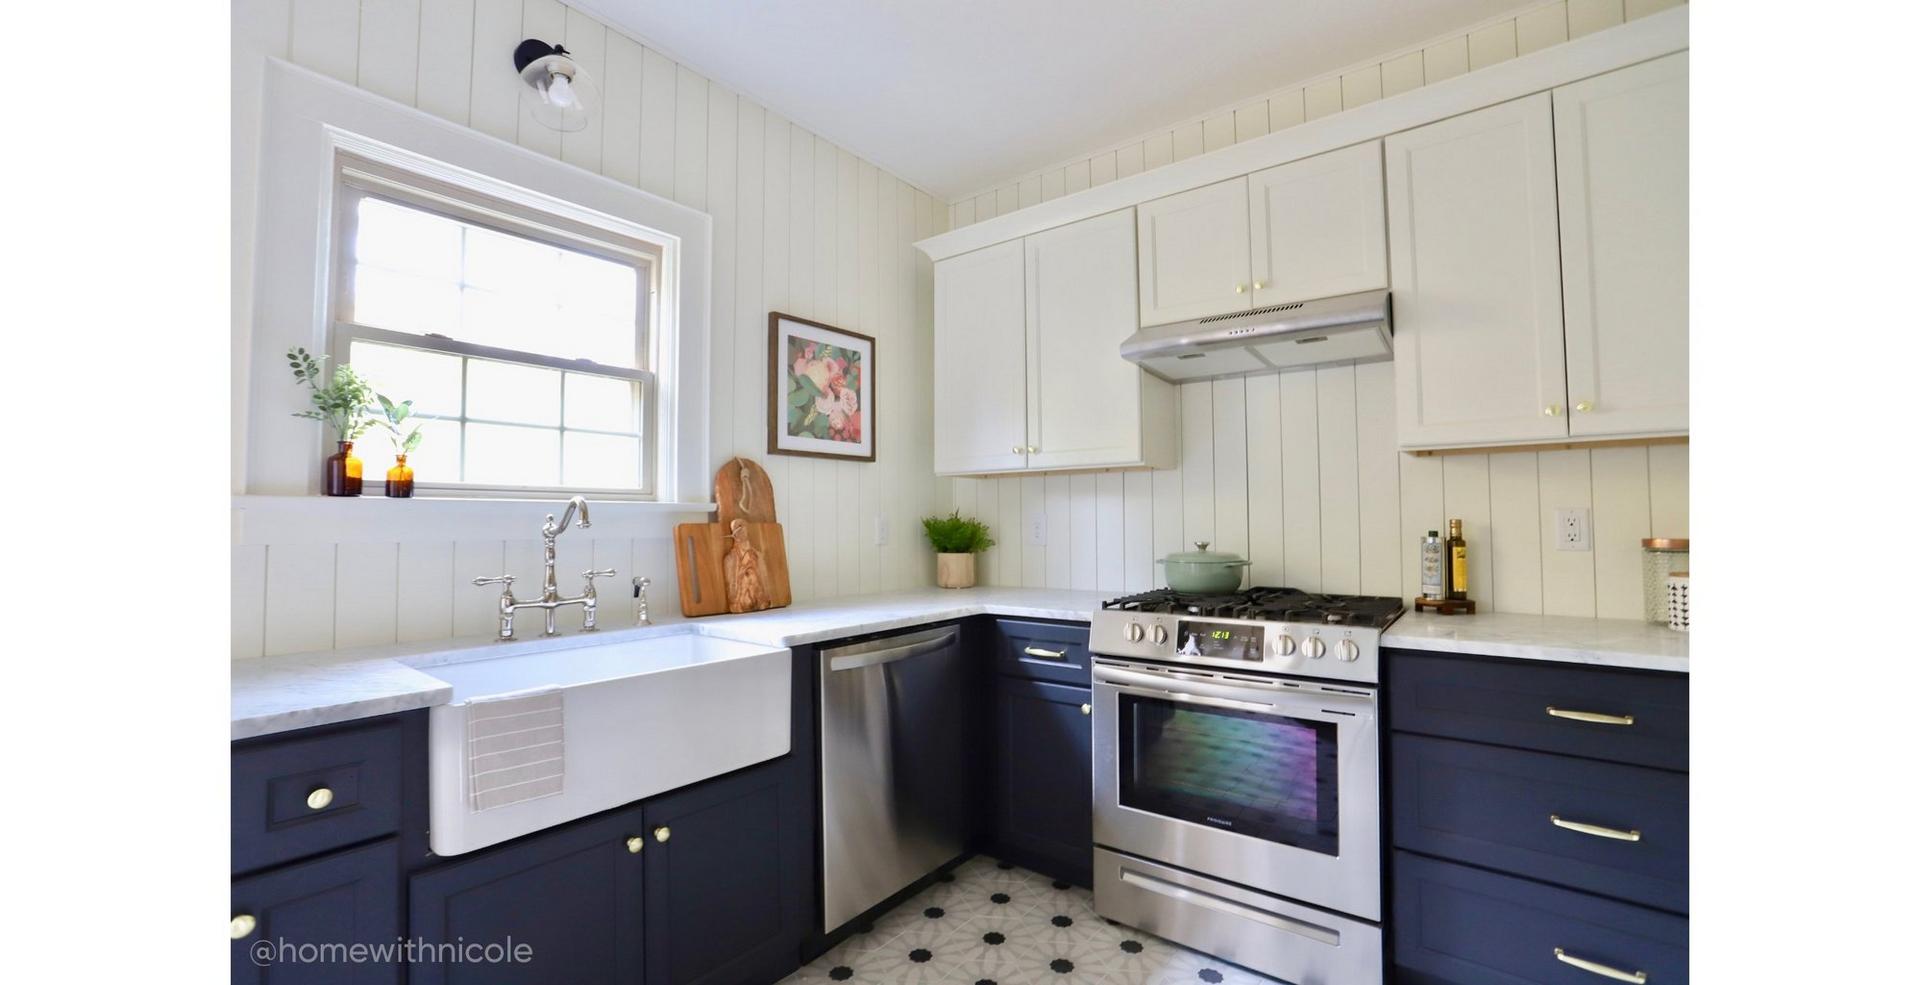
(1268,782)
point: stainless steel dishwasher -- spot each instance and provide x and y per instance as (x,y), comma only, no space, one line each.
(892,765)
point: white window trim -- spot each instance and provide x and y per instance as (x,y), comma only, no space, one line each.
(310,121)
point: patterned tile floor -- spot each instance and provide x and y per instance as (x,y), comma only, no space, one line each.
(991,923)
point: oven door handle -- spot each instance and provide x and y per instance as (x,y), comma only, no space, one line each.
(1147,684)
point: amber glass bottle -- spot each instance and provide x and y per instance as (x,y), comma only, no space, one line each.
(1456,561)
(340,475)
(400,478)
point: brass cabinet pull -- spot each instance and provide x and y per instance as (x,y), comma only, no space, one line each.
(634,844)
(242,926)
(319,799)
(1583,406)
(662,833)
(1086,709)
(1604,971)
(1598,831)
(1596,717)
(1034,651)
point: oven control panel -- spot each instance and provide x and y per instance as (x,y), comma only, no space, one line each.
(1311,650)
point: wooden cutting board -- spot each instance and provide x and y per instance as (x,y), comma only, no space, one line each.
(743,492)
(700,554)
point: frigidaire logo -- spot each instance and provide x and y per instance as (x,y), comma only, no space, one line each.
(1215,820)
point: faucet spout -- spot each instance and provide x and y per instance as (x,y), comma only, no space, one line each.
(551,529)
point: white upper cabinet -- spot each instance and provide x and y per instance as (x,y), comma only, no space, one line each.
(1027,368)
(1319,226)
(1194,254)
(980,361)
(1471,218)
(1621,143)
(1084,402)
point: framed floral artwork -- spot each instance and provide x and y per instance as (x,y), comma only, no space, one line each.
(821,404)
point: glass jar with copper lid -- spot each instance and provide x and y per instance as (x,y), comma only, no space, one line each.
(1660,557)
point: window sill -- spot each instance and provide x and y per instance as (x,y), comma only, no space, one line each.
(378,519)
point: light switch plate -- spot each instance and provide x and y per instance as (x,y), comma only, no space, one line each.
(1573,529)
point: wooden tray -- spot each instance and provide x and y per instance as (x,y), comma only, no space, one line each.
(1445,607)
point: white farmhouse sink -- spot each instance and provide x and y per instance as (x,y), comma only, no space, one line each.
(640,716)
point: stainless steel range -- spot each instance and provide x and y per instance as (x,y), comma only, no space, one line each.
(1237,776)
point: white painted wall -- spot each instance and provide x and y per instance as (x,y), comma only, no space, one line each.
(1298,472)
(799,226)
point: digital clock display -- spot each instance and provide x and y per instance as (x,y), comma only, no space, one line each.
(1224,640)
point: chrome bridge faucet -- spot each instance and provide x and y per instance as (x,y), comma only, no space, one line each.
(550,599)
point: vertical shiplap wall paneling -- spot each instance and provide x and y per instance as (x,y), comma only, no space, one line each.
(1566,577)
(1513,499)
(799,225)
(1231,496)
(1300,479)
(1376,458)
(1266,500)
(1667,490)
(1084,510)
(1196,464)
(1622,515)
(1336,412)
(1522,31)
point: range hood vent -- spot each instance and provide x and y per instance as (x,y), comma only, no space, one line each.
(1350,328)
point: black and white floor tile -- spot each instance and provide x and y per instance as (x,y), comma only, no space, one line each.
(993,923)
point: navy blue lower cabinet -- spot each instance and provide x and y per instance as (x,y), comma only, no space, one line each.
(1457,925)
(730,877)
(1606,828)
(1043,778)
(571,898)
(295,925)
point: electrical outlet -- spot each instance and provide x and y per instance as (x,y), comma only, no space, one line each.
(881,531)
(1573,529)
(1037,531)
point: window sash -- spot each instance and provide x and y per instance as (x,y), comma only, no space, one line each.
(358,179)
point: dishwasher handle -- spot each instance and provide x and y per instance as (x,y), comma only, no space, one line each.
(875,658)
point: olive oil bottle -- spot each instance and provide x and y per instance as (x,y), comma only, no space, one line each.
(1456,562)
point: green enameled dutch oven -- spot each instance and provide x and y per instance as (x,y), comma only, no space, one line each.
(1202,570)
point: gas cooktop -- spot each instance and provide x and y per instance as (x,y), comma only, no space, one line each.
(1268,605)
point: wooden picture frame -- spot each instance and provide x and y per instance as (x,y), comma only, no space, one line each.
(826,409)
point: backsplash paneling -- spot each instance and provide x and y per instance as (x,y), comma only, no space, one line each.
(1299,472)
(1523,31)
(800,226)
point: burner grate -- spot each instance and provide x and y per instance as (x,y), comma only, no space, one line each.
(1269,604)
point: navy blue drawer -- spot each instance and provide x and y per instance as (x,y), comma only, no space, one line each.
(345,899)
(1546,707)
(1454,925)
(1497,807)
(276,813)
(1044,651)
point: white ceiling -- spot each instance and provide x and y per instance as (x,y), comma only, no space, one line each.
(956,96)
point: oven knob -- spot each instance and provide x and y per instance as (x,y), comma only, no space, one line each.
(1315,647)
(1136,632)
(1284,645)
(1159,635)
(1349,650)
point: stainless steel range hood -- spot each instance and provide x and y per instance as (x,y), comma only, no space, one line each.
(1349,328)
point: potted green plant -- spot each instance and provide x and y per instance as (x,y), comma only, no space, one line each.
(405,440)
(956,539)
(344,403)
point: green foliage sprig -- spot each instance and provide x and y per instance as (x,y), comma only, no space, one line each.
(344,403)
(955,534)
(404,439)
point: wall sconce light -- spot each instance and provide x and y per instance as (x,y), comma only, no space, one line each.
(562,93)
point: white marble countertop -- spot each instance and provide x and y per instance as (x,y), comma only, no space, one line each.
(278,694)
(1627,643)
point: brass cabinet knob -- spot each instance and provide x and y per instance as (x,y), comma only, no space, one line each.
(1259,285)
(1583,406)
(242,926)
(662,833)
(319,799)
(635,843)
(1239,288)
(1086,709)
(1552,410)
(1032,448)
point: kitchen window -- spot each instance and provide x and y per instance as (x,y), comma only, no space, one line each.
(524,339)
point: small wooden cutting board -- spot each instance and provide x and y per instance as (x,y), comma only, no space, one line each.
(743,492)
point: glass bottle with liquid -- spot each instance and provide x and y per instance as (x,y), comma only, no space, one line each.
(1456,562)
(1433,567)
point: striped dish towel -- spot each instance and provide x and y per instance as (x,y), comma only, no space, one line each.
(516,748)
